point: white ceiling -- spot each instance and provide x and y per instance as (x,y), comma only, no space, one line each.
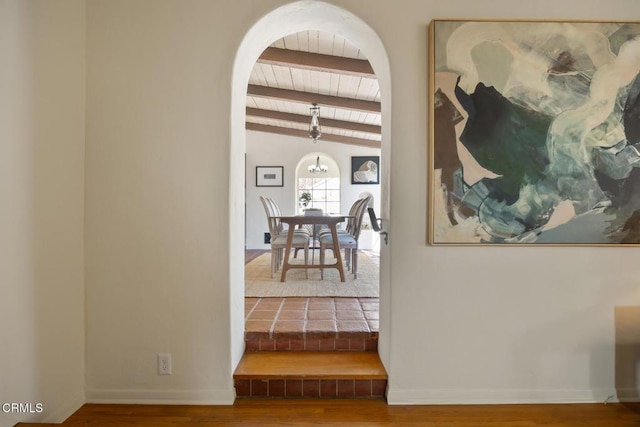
(324,77)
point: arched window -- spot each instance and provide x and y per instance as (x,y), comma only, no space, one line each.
(319,189)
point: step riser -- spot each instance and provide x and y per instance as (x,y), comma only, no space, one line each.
(309,388)
(311,344)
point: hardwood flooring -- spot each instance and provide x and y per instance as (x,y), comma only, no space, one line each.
(360,412)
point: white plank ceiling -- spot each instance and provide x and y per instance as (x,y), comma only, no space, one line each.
(315,66)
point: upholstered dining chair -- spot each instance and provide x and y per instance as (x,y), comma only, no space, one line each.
(279,236)
(347,238)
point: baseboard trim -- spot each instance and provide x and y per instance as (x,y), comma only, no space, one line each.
(490,397)
(68,408)
(162,397)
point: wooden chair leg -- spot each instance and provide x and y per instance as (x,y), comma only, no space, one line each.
(306,261)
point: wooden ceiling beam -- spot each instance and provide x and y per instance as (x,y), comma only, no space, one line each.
(317,62)
(310,98)
(304,134)
(324,122)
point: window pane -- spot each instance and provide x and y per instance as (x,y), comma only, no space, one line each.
(333,195)
(333,183)
(304,183)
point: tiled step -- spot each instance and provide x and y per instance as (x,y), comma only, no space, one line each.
(311,374)
(311,324)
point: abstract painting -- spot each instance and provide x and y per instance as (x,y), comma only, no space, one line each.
(534,132)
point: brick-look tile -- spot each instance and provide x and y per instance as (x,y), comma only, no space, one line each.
(321,305)
(283,344)
(356,344)
(276,388)
(252,345)
(258,327)
(293,388)
(267,345)
(351,326)
(321,315)
(311,388)
(296,345)
(349,315)
(269,303)
(313,326)
(292,315)
(371,345)
(342,344)
(345,388)
(294,303)
(370,306)
(243,387)
(362,388)
(289,327)
(378,387)
(327,344)
(263,315)
(312,345)
(259,387)
(345,306)
(328,388)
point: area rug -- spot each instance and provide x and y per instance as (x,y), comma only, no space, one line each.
(258,281)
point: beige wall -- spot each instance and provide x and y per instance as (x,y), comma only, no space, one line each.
(42,124)
(162,269)
(496,324)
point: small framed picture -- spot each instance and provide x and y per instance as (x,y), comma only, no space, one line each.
(269,176)
(365,170)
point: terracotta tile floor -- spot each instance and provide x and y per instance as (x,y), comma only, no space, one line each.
(305,316)
(311,315)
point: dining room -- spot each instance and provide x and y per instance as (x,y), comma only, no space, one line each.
(310,301)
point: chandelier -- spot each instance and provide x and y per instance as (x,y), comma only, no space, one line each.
(318,168)
(314,127)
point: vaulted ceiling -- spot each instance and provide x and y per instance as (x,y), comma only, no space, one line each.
(315,67)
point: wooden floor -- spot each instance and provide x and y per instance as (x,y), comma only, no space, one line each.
(272,412)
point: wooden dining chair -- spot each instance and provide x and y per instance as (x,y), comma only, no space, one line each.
(279,236)
(347,238)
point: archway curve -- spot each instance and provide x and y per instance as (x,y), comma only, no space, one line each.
(288,19)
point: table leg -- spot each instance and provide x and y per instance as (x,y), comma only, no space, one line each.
(336,250)
(285,262)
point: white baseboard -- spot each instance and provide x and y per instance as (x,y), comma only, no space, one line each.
(64,411)
(491,397)
(162,397)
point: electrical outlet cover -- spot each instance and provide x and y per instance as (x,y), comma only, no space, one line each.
(164,363)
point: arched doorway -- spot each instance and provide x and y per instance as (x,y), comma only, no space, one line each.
(292,18)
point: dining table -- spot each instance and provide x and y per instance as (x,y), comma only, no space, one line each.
(316,220)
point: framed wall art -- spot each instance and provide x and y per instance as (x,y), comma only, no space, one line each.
(365,170)
(534,132)
(269,176)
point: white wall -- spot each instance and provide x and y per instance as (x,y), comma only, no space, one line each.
(461,324)
(42,104)
(265,149)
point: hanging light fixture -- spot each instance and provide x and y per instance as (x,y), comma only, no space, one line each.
(318,168)
(314,127)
